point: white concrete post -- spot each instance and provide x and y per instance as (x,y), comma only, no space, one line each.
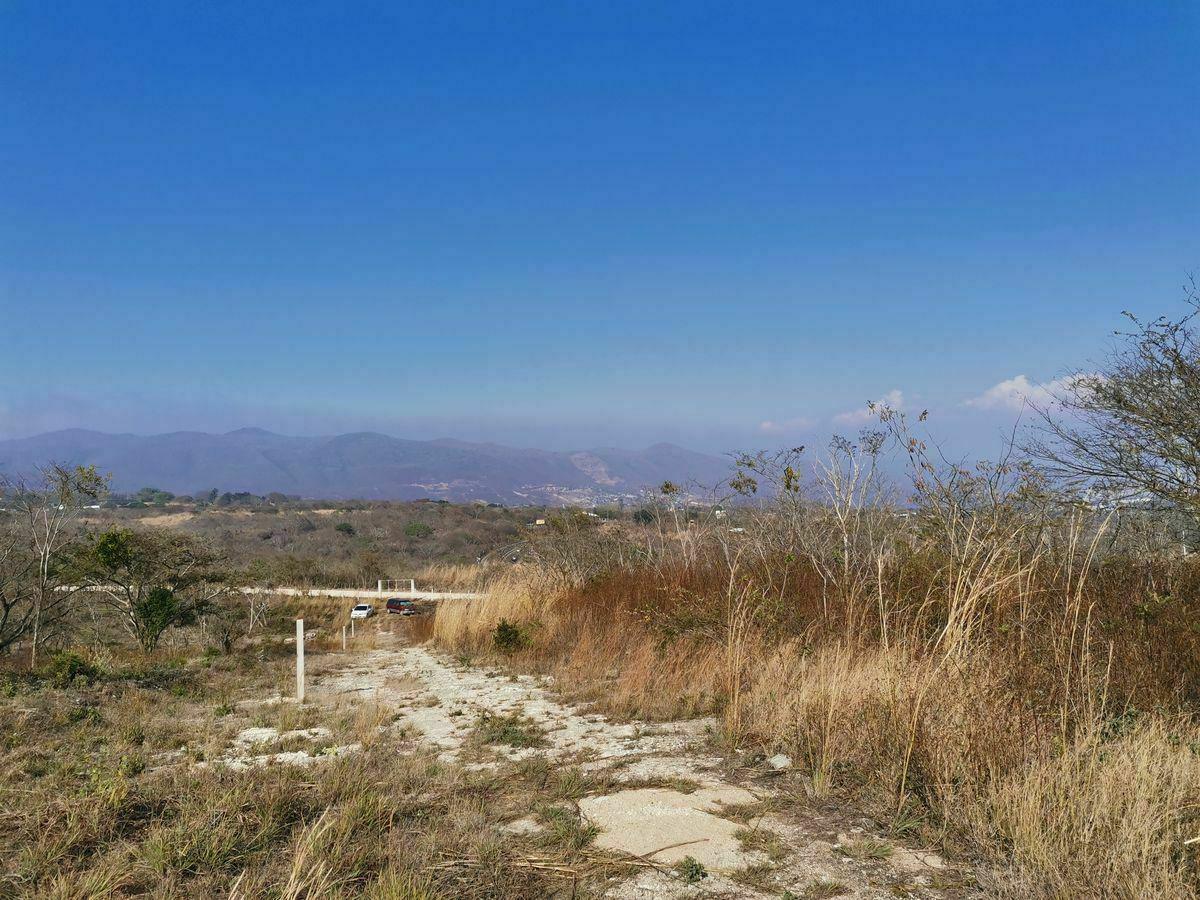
(343,637)
(412,586)
(381,585)
(299,660)
(351,628)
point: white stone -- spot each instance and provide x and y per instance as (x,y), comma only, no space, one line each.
(666,826)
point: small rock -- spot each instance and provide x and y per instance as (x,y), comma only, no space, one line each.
(521,826)
(780,761)
(916,862)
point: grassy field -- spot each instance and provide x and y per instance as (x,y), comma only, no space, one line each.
(124,775)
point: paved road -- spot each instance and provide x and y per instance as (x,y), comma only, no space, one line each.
(338,593)
(359,594)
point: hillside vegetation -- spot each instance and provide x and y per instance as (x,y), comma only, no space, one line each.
(351,544)
(993,669)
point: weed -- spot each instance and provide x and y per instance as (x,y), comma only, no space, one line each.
(512,730)
(133,733)
(691,870)
(757,875)
(83,713)
(822,889)
(131,765)
(864,848)
(762,840)
(565,829)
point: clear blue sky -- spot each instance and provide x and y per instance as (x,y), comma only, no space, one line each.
(569,224)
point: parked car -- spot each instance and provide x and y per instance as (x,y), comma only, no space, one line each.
(362,611)
(400,605)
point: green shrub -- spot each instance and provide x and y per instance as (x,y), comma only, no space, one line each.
(417,530)
(345,528)
(508,637)
(66,667)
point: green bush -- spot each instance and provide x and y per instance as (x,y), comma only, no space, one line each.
(65,667)
(508,637)
(417,530)
(345,528)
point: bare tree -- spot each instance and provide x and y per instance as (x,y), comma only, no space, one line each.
(841,521)
(17,586)
(46,509)
(576,546)
(1133,426)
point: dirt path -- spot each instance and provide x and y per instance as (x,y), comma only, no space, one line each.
(737,832)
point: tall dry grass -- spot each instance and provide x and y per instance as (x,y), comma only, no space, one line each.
(517,595)
(997,672)
(456,576)
(1108,816)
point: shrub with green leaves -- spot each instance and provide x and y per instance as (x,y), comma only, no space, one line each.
(509,637)
(66,667)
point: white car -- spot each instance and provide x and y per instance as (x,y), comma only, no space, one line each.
(362,611)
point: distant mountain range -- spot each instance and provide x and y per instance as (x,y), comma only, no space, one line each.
(362,465)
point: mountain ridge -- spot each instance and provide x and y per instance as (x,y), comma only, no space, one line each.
(363,465)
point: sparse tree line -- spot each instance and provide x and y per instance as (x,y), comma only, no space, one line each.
(58,578)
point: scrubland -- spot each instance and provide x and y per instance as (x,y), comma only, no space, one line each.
(350,545)
(974,660)
(985,665)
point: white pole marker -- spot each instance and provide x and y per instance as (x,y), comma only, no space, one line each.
(299,660)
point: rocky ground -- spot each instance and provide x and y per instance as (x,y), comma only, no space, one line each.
(697,821)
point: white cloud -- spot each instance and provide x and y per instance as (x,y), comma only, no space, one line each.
(893,399)
(1016,393)
(770,426)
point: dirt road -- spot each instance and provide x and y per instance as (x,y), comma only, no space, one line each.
(716,824)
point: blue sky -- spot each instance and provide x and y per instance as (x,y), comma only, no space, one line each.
(562,224)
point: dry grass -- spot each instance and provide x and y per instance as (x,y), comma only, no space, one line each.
(456,576)
(996,714)
(597,652)
(374,823)
(101,795)
(466,625)
(1109,816)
